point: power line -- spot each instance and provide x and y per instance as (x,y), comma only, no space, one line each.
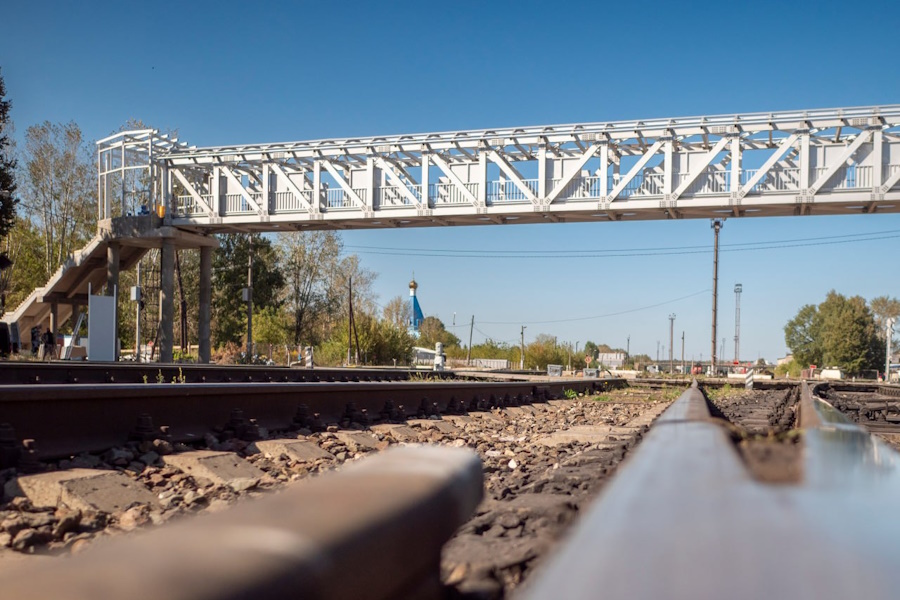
(630,252)
(613,314)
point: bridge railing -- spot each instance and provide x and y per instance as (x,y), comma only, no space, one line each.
(393,195)
(286,202)
(448,193)
(507,191)
(338,198)
(186,205)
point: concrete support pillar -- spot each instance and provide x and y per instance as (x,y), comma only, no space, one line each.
(205,302)
(54,319)
(112,267)
(166,300)
(112,285)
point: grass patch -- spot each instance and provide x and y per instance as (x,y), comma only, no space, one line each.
(723,392)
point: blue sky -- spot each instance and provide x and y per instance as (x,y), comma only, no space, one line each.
(237,72)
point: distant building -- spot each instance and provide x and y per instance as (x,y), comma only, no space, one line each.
(415,311)
(613,360)
(785,360)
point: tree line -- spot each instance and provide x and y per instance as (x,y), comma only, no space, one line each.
(841,331)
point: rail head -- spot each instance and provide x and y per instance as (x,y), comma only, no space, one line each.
(370,532)
(685,518)
(816,413)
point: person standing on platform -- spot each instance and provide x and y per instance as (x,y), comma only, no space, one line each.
(49,345)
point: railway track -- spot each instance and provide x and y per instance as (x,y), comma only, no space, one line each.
(528,467)
(66,419)
(731,495)
(877,408)
(24,373)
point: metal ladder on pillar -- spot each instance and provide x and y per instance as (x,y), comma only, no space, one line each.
(75,334)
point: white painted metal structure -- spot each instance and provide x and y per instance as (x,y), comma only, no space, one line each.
(834,161)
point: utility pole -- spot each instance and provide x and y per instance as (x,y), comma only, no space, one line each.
(137,315)
(889,337)
(628,346)
(671,343)
(469,351)
(349,320)
(716,225)
(682,353)
(738,288)
(352,333)
(522,357)
(249,297)
(657,351)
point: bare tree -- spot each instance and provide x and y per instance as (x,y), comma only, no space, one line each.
(317,275)
(397,312)
(59,192)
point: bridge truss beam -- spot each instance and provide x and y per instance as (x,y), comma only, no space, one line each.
(834,161)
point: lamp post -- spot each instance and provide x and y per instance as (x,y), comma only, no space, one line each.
(716,225)
(671,343)
(889,335)
(522,356)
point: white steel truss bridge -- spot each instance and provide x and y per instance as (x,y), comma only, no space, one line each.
(830,161)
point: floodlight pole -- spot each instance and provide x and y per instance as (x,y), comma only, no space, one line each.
(521,358)
(716,225)
(888,334)
(671,343)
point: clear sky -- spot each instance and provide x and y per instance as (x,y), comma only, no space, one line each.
(237,72)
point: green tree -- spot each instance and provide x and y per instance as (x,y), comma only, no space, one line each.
(60,194)
(838,332)
(311,261)
(380,342)
(23,247)
(230,276)
(494,350)
(638,361)
(545,350)
(791,368)
(849,335)
(885,308)
(432,331)
(803,335)
(7,175)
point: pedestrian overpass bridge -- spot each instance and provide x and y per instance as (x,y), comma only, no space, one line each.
(837,161)
(155,191)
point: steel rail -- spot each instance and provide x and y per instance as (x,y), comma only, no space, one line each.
(684,518)
(99,372)
(68,419)
(374,531)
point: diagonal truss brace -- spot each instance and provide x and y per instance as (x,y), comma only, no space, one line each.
(700,168)
(583,160)
(513,175)
(635,170)
(847,153)
(398,181)
(443,166)
(296,191)
(775,157)
(342,182)
(190,190)
(890,182)
(233,179)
